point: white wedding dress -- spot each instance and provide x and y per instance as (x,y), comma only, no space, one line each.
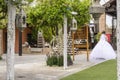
(103,50)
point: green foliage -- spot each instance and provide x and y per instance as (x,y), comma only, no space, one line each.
(47,33)
(52,60)
(3,14)
(34,33)
(17,2)
(97,36)
(70,62)
(48,13)
(3,11)
(57,60)
(103,71)
(60,60)
(2,23)
(0,58)
(51,13)
(30,1)
(82,8)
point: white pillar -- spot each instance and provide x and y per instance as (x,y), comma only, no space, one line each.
(118,39)
(10,41)
(65,42)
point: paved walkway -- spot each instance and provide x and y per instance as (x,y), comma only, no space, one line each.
(33,67)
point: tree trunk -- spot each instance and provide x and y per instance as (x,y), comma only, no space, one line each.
(10,41)
(118,39)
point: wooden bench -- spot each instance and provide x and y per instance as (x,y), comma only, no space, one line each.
(81,35)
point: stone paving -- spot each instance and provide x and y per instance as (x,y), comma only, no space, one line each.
(33,67)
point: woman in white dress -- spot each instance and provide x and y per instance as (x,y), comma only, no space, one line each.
(103,49)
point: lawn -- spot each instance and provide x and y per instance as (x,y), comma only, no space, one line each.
(103,71)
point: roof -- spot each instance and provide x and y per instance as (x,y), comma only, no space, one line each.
(110,8)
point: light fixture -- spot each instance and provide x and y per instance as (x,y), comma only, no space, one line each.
(96,10)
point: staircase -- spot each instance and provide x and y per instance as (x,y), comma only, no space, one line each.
(40,41)
(69,44)
(59,46)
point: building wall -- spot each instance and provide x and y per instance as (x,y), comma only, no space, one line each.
(24,39)
(4,40)
(1,39)
(102,23)
(16,41)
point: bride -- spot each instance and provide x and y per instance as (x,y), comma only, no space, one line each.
(103,50)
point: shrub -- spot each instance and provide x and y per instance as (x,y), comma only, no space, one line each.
(97,37)
(57,60)
(49,62)
(70,62)
(60,60)
(0,58)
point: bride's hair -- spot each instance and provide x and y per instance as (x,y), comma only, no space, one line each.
(103,32)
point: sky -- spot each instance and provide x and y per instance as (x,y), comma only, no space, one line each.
(103,1)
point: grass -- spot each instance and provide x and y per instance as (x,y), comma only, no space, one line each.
(103,71)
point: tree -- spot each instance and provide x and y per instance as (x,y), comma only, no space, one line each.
(81,7)
(47,14)
(12,5)
(10,40)
(51,13)
(3,14)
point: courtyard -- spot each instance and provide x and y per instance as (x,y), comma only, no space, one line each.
(33,67)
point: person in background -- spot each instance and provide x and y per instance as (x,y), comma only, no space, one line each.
(103,49)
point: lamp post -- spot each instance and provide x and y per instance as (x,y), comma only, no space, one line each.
(92,27)
(74,22)
(114,24)
(21,24)
(73,29)
(65,38)
(96,10)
